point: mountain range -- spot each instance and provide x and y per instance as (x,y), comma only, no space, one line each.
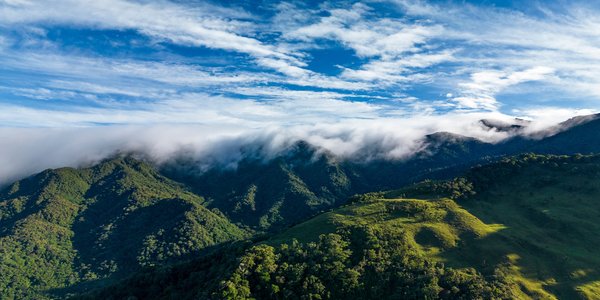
(305,180)
(68,232)
(524,227)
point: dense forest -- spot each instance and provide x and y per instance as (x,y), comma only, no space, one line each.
(523,227)
(66,226)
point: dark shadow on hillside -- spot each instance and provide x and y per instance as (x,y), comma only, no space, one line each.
(110,241)
(550,207)
(197,260)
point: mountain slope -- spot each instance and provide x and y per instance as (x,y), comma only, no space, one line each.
(275,193)
(67,226)
(269,194)
(303,180)
(576,135)
(523,228)
(533,218)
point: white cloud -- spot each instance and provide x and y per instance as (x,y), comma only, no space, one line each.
(267,106)
(135,78)
(175,23)
(368,37)
(398,51)
(548,116)
(564,38)
(471,54)
(398,69)
(222,143)
(310,107)
(480,92)
(102,69)
(393,46)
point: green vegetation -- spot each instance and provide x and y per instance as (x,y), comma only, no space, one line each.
(65,227)
(548,206)
(359,262)
(524,227)
(269,196)
(304,181)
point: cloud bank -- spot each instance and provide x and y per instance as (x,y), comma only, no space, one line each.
(27,151)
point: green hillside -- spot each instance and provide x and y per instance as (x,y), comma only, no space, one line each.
(303,180)
(67,226)
(523,228)
(270,195)
(534,218)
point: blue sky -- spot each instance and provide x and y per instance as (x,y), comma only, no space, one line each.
(77,63)
(82,80)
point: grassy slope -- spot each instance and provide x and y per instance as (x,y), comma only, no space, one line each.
(534,217)
(68,226)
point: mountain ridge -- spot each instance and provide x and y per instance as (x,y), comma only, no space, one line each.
(66,226)
(317,180)
(482,235)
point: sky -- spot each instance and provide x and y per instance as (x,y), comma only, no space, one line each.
(337,72)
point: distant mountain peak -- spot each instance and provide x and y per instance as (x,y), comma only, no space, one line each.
(578,120)
(565,126)
(517,125)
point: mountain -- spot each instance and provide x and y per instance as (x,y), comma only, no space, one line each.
(69,226)
(275,193)
(303,180)
(521,228)
(576,135)
(66,231)
(515,127)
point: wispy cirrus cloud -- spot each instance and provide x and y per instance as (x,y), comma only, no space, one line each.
(558,36)
(175,23)
(411,46)
(367,37)
(393,47)
(399,69)
(480,91)
(261,107)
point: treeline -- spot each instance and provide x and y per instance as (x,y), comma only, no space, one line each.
(483,178)
(355,263)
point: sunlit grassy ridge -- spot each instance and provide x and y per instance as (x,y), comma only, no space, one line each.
(534,217)
(366,251)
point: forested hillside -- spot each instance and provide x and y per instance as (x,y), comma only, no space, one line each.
(309,150)
(524,227)
(64,227)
